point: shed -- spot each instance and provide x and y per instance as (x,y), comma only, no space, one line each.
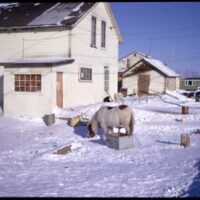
(150,76)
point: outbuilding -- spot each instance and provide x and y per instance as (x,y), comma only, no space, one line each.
(149,76)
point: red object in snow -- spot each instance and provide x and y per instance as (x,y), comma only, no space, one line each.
(196,131)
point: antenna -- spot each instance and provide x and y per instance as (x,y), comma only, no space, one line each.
(150,45)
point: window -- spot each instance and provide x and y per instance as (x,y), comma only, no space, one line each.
(85,74)
(189,83)
(27,82)
(106,79)
(103,34)
(93,32)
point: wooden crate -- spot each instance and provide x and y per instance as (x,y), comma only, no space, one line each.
(119,141)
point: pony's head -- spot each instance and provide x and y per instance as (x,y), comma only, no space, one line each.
(91,132)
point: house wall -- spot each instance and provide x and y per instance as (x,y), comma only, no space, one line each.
(29,103)
(177,83)
(172,83)
(19,45)
(1,87)
(193,87)
(157,82)
(95,58)
(133,58)
(74,43)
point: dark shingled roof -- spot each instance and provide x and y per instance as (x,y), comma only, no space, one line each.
(42,14)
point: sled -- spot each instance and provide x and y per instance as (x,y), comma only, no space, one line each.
(75,121)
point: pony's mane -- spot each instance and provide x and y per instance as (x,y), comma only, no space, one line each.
(122,107)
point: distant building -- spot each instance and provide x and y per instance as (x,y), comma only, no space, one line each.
(190,84)
(143,74)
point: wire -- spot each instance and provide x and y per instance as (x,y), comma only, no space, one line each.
(166,31)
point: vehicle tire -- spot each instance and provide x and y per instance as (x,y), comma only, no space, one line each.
(197,97)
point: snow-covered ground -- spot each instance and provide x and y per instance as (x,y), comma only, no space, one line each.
(157,166)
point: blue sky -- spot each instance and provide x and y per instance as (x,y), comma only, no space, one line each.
(168,31)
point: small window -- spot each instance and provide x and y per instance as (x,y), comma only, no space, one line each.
(28,82)
(93,31)
(189,83)
(103,34)
(85,74)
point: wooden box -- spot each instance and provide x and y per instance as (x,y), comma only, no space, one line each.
(119,141)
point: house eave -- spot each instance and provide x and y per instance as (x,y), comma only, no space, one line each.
(116,28)
(36,28)
(34,63)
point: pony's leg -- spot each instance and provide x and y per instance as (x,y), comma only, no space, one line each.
(104,132)
(128,131)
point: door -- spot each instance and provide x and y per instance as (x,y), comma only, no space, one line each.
(59,89)
(143,84)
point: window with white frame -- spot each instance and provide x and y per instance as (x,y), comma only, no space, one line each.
(93,31)
(28,82)
(103,34)
(189,83)
(106,79)
(85,74)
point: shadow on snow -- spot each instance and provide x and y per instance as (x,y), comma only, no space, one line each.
(194,188)
(82,131)
(167,142)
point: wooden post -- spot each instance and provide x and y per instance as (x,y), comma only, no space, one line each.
(63,150)
(185,140)
(185,109)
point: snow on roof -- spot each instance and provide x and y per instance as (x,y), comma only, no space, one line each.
(77,7)
(161,67)
(8,5)
(42,14)
(54,15)
(136,52)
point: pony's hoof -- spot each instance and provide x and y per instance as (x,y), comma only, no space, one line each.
(96,137)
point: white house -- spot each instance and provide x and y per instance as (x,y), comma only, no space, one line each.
(57,54)
(130,59)
(143,74)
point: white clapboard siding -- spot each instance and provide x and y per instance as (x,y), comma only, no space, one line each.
(33,44)
(36,103)
(157,82)
(95,58)
(74,43)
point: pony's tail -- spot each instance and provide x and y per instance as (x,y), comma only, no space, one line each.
(131,124)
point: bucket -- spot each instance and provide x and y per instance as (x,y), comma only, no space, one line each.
(185,109)
(49,119)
